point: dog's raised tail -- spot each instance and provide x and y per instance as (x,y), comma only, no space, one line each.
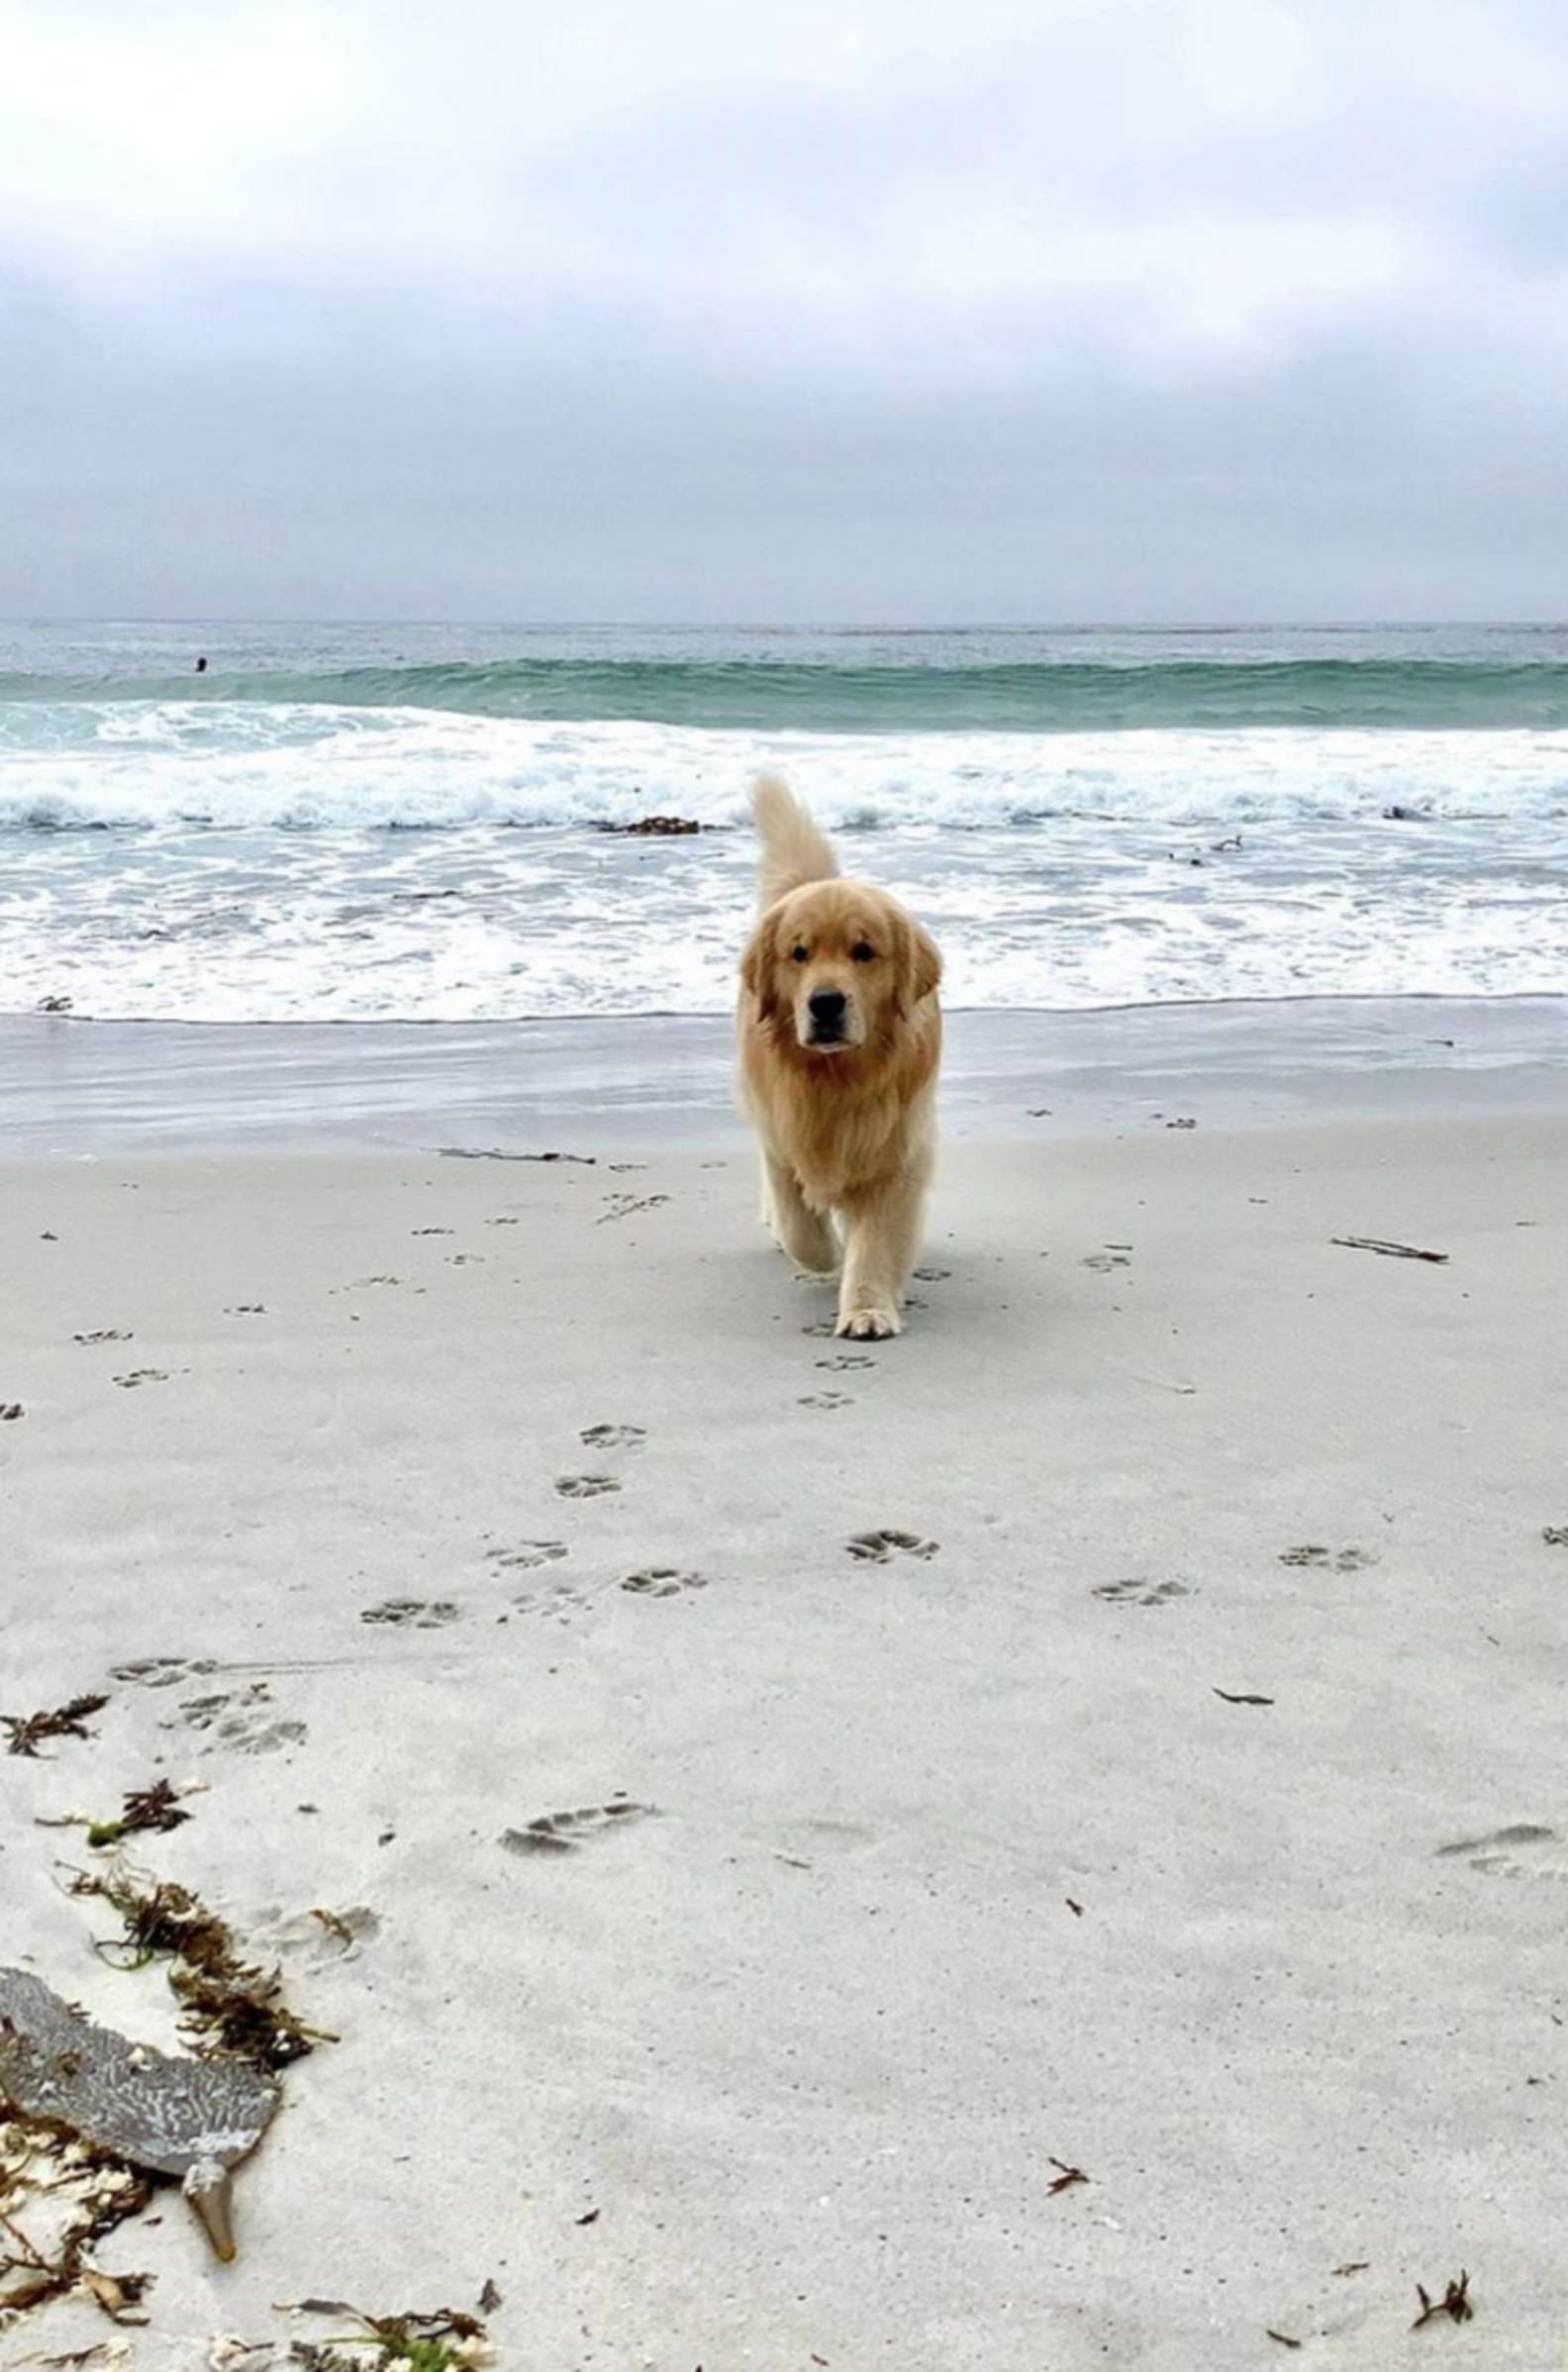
(794,850)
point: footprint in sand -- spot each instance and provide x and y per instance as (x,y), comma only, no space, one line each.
(1555,1536)
(145,1375)
(626,1206)
(1103,1260)
(321,1936)
(1527,1849)
(429,1230)
(566,1831)
(164,1671)
(612,1436)
(825,1399)
(421,1614)
(663,1581)
(1313,1553)
(247,1309)
(1138,1590)
(240,1723)
(584,1486)
(844,1363)
(106,1334)
(932,1276)
(563,1599)
(875,1547)
(527,1554)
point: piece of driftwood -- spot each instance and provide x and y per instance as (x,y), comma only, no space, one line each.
(1393,1252)
(192,2117)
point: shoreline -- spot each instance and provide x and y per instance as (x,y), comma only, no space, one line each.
(72,1088)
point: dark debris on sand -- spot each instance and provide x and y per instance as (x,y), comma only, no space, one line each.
(29,1731)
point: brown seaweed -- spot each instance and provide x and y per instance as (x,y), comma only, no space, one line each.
(226,2004)
(155,1807)
(29,1731)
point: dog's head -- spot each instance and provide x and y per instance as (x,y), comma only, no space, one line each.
(839,965)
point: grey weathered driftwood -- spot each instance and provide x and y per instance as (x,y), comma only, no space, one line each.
(192,2117)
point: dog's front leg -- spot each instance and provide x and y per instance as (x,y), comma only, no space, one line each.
(805,1235)
(881,1231)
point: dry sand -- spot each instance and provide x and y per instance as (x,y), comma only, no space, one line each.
(950,1869)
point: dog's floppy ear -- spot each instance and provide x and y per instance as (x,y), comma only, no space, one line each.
(757,972)
(919,963)
(928,963)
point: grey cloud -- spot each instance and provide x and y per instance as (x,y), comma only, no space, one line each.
(1046,328)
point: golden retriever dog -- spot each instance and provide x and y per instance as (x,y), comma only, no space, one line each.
(840,1038)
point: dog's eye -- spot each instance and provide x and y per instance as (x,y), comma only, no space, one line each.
(797,955)
(860,952)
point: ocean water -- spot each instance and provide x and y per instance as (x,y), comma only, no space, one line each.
(373,823)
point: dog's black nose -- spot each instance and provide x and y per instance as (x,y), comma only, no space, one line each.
(827,1007)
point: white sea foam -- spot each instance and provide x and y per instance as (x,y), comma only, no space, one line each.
(246,863)
(247,765)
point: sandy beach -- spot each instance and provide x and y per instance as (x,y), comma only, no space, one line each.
(1115,1730)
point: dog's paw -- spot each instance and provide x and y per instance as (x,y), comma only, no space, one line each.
(871,1324)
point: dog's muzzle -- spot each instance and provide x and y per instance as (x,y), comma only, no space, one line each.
(827,1008)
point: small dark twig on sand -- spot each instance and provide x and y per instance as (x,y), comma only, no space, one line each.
(1270,2333)
(1066,2178)
(492,1153)
(1395,1251)
(1242,1699)
(1454,2303)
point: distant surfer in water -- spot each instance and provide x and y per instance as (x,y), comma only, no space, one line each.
(201,665)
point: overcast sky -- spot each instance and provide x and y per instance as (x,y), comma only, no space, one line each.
(876,310)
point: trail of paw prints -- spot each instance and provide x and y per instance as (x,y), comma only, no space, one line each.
(568,1832)
(876,1547)
(241,1724)
(1313,1553)
(825,1399)
(1526,1850)
(1138,1590)
(421,1614)
(663,1581)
